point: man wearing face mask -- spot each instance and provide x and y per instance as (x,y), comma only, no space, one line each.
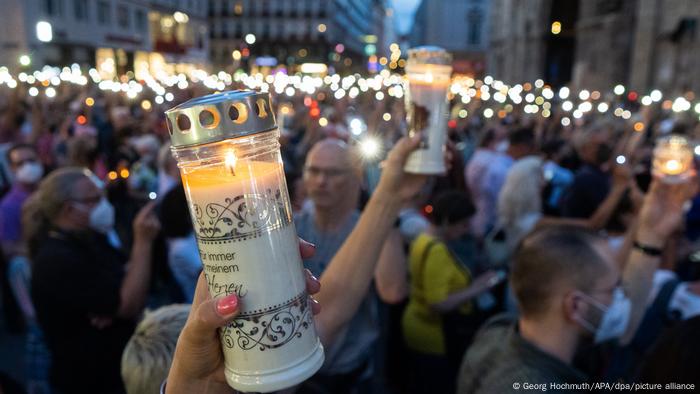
(27,172)
(570,291)
(592,181)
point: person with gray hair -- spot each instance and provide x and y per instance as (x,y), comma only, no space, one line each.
(332,176)
(148,354)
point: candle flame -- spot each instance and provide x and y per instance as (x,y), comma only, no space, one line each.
(230,162)
(673,165)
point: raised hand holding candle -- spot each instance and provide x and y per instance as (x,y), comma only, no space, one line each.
(228,153)
(428,72)
(673,159)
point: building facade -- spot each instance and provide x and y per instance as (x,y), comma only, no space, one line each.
(643,44)
(291,32)
(665,50)
(459,26)
(605,33)
(113,35)
(532,40)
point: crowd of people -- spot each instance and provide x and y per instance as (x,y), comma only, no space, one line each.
(547,253)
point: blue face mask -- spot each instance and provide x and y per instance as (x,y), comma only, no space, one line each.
(615,318)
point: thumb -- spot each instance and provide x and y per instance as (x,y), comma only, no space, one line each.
(210,315)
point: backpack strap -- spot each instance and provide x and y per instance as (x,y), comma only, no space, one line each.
(421,263)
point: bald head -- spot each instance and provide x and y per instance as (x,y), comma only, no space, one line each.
(332,175)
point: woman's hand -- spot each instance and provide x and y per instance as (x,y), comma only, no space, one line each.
(198,363)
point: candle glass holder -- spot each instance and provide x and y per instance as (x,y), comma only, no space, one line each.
(428,72)
(673,159)
(227,149)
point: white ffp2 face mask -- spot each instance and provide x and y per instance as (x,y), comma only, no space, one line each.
(615,318)
(30,173)
(102,216)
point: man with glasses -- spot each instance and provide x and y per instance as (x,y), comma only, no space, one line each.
(571,290)
(332,182)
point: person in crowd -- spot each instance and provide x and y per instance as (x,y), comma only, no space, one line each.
(520,205)
(168,172)
(87,294)
(148,354)
(332,181)
(183,256)
(474,172)
(558,177)
(198,364)
(586,299)
(143,178)
(592,180)
(521,143)
(27,172)
(440,298)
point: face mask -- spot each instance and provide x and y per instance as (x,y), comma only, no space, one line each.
(685,302)
(30,173)
(502,146)
(102,217)
(615,317)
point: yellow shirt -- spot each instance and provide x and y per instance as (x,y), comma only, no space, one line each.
(434,276)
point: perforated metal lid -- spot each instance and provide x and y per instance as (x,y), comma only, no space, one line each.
(219,116)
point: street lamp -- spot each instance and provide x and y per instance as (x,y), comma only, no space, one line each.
(44,31)
(25,60)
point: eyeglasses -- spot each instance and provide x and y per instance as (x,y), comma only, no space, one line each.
(310,171)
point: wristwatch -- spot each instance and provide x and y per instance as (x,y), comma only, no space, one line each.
(651,251)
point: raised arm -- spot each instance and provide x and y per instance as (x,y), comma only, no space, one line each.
(391,274)
(134,289)
(346,280)
(661,214)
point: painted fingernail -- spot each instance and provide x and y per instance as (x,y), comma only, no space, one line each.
(227,305)
(311,275)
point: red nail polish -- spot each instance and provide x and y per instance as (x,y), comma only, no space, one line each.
(227,305)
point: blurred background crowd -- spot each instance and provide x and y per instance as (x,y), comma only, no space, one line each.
(509,175)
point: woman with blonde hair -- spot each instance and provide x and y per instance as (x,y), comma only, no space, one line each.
(520,201)
(87,294)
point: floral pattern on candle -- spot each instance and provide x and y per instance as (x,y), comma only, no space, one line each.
(241,217)
(270,328)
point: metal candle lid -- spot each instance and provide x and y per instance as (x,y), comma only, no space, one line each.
(219,116)
(429,55)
